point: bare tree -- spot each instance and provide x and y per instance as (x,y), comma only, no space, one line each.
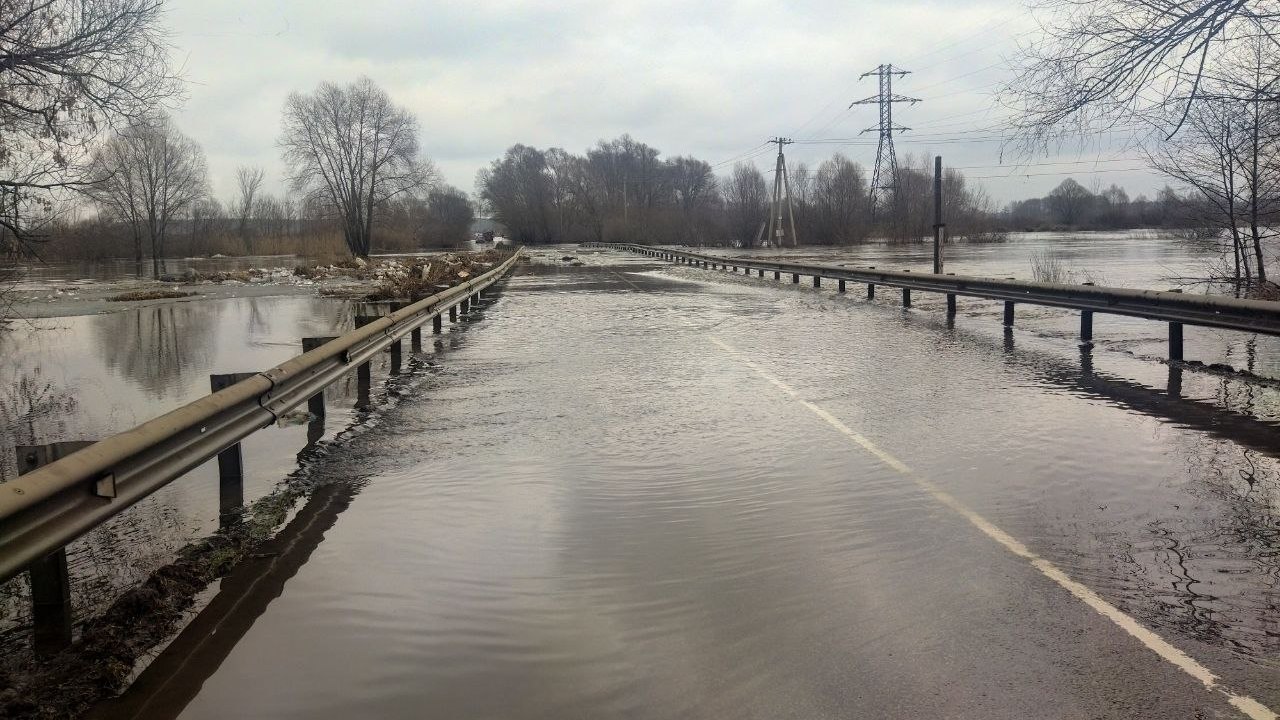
(150,173)
(69,69)
(351,150)
(248,183)
(746,200)
(1106,62)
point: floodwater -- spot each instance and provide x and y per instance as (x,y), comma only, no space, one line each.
(637,489)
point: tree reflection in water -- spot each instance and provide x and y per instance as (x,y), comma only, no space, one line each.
(153,346)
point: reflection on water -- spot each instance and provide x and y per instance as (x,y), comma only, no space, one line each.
(89,377)
(153,346)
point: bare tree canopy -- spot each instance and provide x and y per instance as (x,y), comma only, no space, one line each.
(1111,63)
(69,69)
(248,183)
(148,175)
(351,150)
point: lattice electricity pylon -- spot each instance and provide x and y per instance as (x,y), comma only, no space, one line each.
(884,181)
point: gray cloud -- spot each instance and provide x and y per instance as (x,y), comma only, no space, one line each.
(705,79)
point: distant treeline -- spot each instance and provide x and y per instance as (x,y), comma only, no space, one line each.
(266,225)
(623,190)
(1072,206)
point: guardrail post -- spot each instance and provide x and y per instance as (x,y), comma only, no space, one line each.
(795,278)
(364,374)
(1086,327)
(817,281)
(396,356)
(777,275)
(230,462)
(906,297)
(436,324)
(841,286)
(315,403)
(1008,313)
(51,615)
(1175,341)
(761,273)
(951,305)
(453,313)
(871,291)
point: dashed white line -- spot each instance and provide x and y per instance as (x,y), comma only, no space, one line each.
(1248,706)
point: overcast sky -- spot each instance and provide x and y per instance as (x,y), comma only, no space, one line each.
(711,79)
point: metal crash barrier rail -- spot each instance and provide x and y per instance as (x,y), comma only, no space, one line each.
(1173,307)
(53,504)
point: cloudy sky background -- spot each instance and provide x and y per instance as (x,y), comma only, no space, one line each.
(713,80)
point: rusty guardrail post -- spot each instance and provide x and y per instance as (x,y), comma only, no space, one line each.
(230,462)
(51,612)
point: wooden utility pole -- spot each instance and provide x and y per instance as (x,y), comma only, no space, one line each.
(939,228)
(781,185)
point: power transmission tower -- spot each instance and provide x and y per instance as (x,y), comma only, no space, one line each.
(781,186)
(884,181)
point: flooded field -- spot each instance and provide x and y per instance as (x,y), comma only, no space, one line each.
(609,495)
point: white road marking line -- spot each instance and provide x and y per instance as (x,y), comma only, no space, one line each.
(1248,706)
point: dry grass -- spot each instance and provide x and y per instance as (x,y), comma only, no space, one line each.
(137,295)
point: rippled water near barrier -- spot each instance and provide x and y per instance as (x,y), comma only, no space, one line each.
(588,508)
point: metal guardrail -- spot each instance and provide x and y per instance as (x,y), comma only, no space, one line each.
(1176,308)
(43,510)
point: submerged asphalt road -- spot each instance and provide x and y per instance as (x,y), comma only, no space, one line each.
(634,490)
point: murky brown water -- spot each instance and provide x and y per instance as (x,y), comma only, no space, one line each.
(588,507)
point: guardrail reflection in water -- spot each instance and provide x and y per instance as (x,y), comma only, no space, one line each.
(68,490)
(1173,307)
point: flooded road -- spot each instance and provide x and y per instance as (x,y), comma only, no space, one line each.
(636,489)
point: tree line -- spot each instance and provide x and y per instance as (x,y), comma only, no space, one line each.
(91,166)
(623,190)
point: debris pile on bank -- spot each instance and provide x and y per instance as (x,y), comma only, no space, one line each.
(429,275)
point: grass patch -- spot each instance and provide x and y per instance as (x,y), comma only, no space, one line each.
(135,295)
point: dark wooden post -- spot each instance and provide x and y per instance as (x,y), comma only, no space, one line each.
(871,291)
(1086,327)
(230,462)
(1175,341)
(795,278)
(906,297)
(436,323)
(51,616)
(1008,313)
(841,286)
(777,275)
(817,281)
(951,305)
(762,273)
(364,374)
(453,313)
(315,403)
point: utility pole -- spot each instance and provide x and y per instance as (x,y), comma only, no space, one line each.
(939,228)
(884,181)
(781,187)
